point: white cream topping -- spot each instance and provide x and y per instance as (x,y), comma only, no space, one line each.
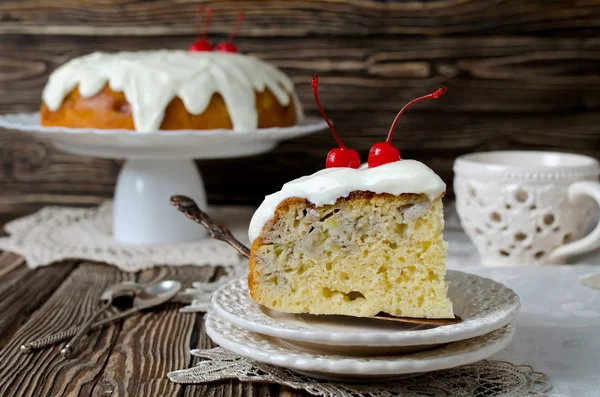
(326,186)
(151,79)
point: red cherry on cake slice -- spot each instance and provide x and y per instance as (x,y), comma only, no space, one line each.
(384,152)
(337,157)
(202,44)
(227,46)
(342,157)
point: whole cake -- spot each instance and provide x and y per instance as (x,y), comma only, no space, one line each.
(169,90)
(354,240)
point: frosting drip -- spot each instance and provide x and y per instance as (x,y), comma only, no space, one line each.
(151,79)
(326,186)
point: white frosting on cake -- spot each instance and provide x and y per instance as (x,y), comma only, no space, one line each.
(326,186)
(151,79)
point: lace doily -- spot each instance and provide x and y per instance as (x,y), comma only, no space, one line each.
(485,378)
(201,293)
(591,280)
(58,233)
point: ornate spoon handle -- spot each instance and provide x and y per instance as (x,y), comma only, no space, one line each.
(189,207)
(83,330)
(69,333)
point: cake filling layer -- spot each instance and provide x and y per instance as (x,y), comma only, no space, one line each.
(150,80)
(326,186)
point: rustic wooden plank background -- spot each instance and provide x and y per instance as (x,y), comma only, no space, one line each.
(129,358)
(521,74)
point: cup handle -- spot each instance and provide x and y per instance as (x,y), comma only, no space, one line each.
(592,240)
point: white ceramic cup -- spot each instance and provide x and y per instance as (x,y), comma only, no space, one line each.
(528,208)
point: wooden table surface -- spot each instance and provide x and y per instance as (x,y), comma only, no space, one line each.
(130,358)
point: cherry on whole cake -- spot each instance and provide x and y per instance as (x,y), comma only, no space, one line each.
(384,152)
(202,44)
(228,46)
(337,157)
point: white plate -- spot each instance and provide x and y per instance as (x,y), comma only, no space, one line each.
(129,144)
(269,350)
(483,304)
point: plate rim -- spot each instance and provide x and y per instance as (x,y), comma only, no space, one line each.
(372,366)
(383,338)
(10,121)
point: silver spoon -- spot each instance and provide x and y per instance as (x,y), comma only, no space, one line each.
(150,296)
(110,294)
(124,289)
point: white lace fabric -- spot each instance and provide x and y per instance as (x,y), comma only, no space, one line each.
(485,378)
(55,234)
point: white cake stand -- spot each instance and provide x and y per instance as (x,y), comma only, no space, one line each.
(158,165)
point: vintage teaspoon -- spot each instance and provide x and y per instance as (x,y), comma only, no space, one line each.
(108,297)
(125,289)
(189,207)
(150,296)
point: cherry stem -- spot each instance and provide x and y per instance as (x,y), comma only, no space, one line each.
(434,95)
(207,22)
(236,28)
(199,20)
(315,88)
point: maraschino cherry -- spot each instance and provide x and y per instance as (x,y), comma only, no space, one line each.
(202,44)
(384,152)
(337,157)
(227,46)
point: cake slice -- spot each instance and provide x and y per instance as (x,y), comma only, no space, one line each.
(353,242)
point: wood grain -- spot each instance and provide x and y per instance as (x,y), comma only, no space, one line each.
(8,263)
(200,340)
(152,344)
(364,83)
(484,74)
(456,134)
(45,372)
(521,75)
(435,139)
(17,301)
(24,160)
(228,388)
(131,358)
(289,392)
(301,17)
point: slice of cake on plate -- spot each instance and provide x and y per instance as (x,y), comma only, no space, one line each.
(354,240)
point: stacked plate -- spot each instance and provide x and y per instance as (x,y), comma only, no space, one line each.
(350,348)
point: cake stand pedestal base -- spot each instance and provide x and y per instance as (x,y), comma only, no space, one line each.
(158,166)
(142,213)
